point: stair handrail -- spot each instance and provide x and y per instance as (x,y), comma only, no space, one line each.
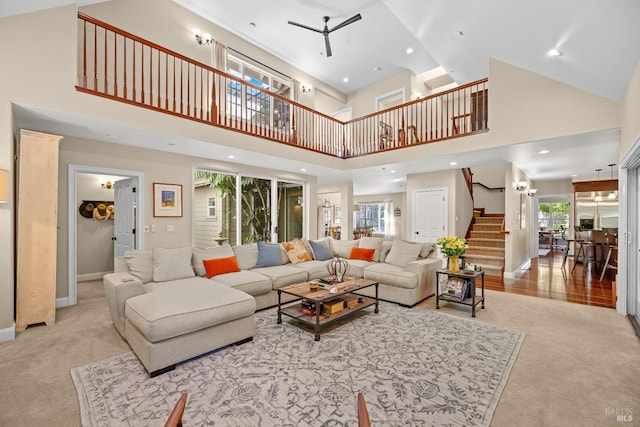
(502,229)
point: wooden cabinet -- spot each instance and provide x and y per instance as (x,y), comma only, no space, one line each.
(36,228)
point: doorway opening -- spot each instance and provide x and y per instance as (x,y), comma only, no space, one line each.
(90,238)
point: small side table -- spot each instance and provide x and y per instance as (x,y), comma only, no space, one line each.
(468,275)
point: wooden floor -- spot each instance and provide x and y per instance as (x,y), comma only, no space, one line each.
(546,279)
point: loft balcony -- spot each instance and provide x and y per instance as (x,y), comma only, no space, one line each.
(121,66)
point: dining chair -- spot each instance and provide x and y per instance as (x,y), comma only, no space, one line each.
(363,413)
(611,261)
(175,417)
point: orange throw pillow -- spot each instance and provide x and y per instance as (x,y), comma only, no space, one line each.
(213,267)
(364,254)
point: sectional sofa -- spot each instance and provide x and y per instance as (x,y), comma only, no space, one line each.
(171,304)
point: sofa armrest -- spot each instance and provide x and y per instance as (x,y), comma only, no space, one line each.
(426,269)
(118,288)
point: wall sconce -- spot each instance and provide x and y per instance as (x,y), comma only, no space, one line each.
(107,185)
(4,186)
(306,88)
(520,186)
(532,192)
(203,39)
(397,212)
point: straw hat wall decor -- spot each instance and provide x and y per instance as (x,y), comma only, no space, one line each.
(99,211)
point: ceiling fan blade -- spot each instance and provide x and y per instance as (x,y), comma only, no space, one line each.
(347,22)
(304,26)
(327,44)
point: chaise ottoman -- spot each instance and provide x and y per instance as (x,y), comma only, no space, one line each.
(174,323)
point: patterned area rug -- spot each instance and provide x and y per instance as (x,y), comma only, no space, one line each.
(415,367)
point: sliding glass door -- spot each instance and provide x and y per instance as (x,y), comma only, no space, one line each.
(237,209)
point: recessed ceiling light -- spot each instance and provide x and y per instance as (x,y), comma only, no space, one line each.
(252,24)
(346,80)
(409,51)
(303,170)
(377,69)
(573,175)
(231,156)
(112,136)
(392,171)
(554,52)
(460,33)
(172,144)
(453,163)
(543,152)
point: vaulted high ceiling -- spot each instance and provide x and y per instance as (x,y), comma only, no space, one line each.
(598,40)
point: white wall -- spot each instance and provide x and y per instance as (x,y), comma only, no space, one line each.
(158,166)
(491,176)
(517,241)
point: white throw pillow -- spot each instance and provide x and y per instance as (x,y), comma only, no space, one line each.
(342,248)
(372,243)
(172,264)
(199,255)
(140,265)
(402,253)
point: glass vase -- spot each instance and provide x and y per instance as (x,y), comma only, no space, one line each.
(454,266)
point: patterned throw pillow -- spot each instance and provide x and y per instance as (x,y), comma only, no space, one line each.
(296,251)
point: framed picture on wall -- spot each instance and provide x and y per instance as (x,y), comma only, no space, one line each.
(167,200)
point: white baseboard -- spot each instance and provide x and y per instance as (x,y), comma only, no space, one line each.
(511,275)
(91,276)
(62,302)
(8,334)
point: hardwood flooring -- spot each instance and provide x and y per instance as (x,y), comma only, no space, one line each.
(546,279)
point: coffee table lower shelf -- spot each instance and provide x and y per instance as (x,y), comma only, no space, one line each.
(293,310)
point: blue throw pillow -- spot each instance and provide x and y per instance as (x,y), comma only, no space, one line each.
(269,255)
(321,251)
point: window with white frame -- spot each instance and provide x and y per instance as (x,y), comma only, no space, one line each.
(375,216)
(211,207)
(254,105)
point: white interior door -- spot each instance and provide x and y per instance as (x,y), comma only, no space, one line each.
(429,214)
(125,202)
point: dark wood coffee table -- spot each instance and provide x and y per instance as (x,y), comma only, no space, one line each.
(347,290)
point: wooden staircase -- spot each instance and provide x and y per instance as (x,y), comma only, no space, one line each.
(486,245)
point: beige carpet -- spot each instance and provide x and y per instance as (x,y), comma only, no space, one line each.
(577,366)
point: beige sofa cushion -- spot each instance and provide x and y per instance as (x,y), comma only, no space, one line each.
(315,269)
(283,275)
(372,243)
(402,253)
(172,264)
(199,255)
(246,281)
(171,311)
(140,265)
(246,255)
(356,267)
(428,248)
(391,275)
(342,248)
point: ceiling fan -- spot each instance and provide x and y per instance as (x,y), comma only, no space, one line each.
(326,31)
